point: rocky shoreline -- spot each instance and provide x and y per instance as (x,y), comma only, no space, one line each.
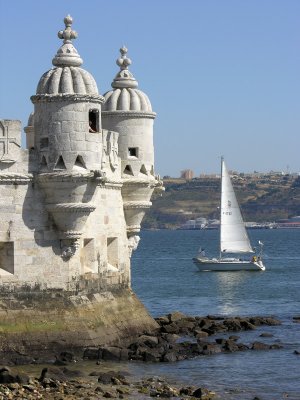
(178,337)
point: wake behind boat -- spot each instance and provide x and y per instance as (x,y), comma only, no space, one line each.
(233,235)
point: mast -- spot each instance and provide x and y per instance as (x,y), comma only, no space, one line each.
(222,160)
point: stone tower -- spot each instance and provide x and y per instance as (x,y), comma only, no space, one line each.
(128,111)
(73,204)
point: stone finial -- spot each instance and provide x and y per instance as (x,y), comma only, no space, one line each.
(124,78)
(67,34)
(123,62)
(67,55)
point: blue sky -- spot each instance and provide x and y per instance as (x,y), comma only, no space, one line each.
(222,75)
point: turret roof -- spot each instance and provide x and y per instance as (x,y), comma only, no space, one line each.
(125,96)
(66,77)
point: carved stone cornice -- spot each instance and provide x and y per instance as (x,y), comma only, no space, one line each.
(15,178)
(140,182)
(48,98)
(136,204)
(133,229)
(84,208)
(131,114)
(65,176)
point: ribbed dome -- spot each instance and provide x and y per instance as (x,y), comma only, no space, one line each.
(126,99)
(125,96)
(63,80)
(66,77)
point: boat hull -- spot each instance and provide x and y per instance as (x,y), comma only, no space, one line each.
(231,264)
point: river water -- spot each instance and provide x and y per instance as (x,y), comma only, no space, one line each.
(165,279)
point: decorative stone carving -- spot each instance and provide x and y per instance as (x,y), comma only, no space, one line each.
(10,141)
(113,149)
(65,193)
(104,149)
(133,242)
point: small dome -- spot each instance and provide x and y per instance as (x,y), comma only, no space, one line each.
(31,119)
(66,77)
(126,99)
(67,80)
(125,96)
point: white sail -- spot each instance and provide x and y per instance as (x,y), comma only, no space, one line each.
(234,237)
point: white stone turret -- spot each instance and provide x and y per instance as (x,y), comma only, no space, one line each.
(68,140)
(67,112)
(128,111)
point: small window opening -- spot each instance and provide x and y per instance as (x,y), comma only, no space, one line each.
(6,258)
(93,121)
(79,162)
(60,164)
(132,152)
(44,142)
(143,170)
(128,170)
(88,256)
(112,252)
(43,164)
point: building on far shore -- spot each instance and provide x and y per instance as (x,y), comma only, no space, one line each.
(293,222)
(187,174)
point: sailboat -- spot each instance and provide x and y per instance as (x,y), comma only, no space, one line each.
(233,235)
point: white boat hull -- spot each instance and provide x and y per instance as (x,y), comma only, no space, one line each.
(227,264)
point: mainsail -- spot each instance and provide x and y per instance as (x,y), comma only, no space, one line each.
(234,237)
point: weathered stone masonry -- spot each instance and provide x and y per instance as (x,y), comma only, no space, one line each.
(71,207)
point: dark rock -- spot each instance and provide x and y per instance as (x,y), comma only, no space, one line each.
(211,348)
(109,395)
(6,376)
(231,346)
(30,388)
(72,373)
(162,320)
(185,325)
(232,324)
(186,391)
(150,341)
(169,357)
(221,341)
(151,355)
(52,373)
(176,316)
(91,353)
(23,378)
(168,337)
(200,334)
(275,346)
(257,321)
(266,334)
(60,363)
(297,352)
(112,353)
(171,328)
(67,356)
(260,346)
(109,377)
(234,337)
(242,346)
(215,317)
(198,393)
(247,325)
